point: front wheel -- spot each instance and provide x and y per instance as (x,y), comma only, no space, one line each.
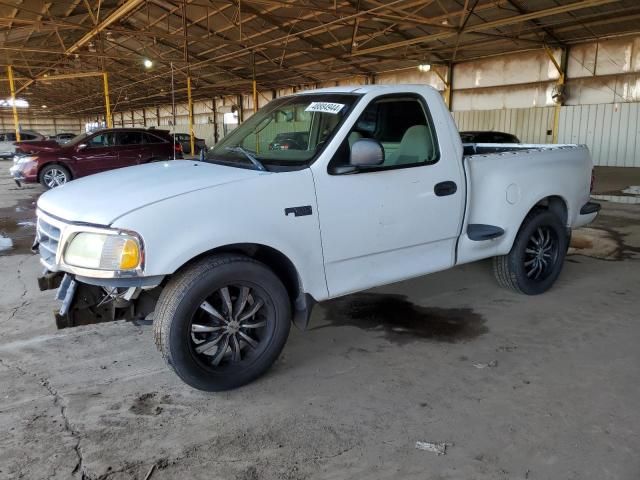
(536,258)
(53,176)
(222,322)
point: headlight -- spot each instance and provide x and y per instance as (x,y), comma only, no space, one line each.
(24,159)
(103,251)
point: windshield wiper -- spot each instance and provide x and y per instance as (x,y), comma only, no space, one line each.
(256,163)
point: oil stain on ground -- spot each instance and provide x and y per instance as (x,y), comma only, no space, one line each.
(601,243)
(17,227)
(402,321)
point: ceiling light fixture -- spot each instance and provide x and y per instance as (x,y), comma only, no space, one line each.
(147,63)
(424,67)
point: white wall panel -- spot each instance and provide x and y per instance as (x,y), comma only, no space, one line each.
(609,130)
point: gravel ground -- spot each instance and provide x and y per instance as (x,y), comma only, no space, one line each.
(516,387)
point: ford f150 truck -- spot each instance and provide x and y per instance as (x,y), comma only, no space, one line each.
(226,251)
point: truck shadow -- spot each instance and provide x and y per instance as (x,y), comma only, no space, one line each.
(401,321)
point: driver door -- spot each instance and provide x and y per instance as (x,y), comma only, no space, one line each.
(98,155)
(388,224)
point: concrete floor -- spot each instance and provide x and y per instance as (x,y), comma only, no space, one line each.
(518,387)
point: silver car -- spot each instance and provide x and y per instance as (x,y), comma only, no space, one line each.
(7,139)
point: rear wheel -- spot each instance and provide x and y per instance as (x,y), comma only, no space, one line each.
(53,176)
(222,322)
(536,258)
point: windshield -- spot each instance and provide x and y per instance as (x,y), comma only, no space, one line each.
(289,131)
(78,138)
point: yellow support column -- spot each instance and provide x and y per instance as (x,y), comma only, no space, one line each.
(447,84)
(254,84)
(255,97)
(12,89)
(560,84)
(107,102)
(191,136)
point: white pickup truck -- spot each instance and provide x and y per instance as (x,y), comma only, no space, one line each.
(318,195)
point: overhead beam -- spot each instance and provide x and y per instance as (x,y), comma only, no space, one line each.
(120,12)
(502,22)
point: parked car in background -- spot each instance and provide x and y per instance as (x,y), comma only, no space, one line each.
(63,137)
(290,141)
(184,139)
(8,139)
(488,137)
(53,164)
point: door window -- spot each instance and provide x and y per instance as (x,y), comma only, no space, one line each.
(148,138)
(8,137)
(128,138)
(403,127)
(100,140)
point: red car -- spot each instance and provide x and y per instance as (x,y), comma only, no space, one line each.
(53,164)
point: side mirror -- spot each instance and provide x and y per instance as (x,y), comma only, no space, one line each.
(82,146)
(365,153)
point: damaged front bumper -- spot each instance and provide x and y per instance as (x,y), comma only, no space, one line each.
(85,301)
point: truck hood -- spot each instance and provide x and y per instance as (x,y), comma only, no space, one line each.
(100,199)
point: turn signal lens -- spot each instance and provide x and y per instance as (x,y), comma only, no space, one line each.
(130,256)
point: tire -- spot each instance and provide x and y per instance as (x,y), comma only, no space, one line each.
(536,257)
(192,322)
(54,175)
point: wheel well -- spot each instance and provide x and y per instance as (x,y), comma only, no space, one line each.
(272,258)
(555,205)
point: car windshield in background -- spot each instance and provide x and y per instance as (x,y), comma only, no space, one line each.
(290,131)
(78,138)
(488,137)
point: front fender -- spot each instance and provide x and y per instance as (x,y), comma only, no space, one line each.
(178,229)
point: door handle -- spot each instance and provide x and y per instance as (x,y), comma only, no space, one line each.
(443,189)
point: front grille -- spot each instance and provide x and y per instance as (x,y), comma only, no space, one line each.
(48,238)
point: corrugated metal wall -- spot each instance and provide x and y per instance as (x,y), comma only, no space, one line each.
(609,130)
(530,125)
(43,125)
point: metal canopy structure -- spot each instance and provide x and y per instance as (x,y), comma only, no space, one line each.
(59,50)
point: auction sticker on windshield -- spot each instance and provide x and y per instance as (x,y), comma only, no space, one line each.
(326,107)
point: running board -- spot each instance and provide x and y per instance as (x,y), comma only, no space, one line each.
(479,232)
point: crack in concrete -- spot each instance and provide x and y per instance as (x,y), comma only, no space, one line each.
(58,400)
(24,302)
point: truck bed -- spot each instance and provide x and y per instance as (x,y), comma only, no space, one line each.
(471,149)
(499,180)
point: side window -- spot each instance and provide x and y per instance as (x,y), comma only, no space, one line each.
(27,136)
(402,126)
(148,138)
(128,138)
(9,137)
(100,140)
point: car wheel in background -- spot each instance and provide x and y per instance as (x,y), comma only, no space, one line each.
(54,175)
(536,258)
